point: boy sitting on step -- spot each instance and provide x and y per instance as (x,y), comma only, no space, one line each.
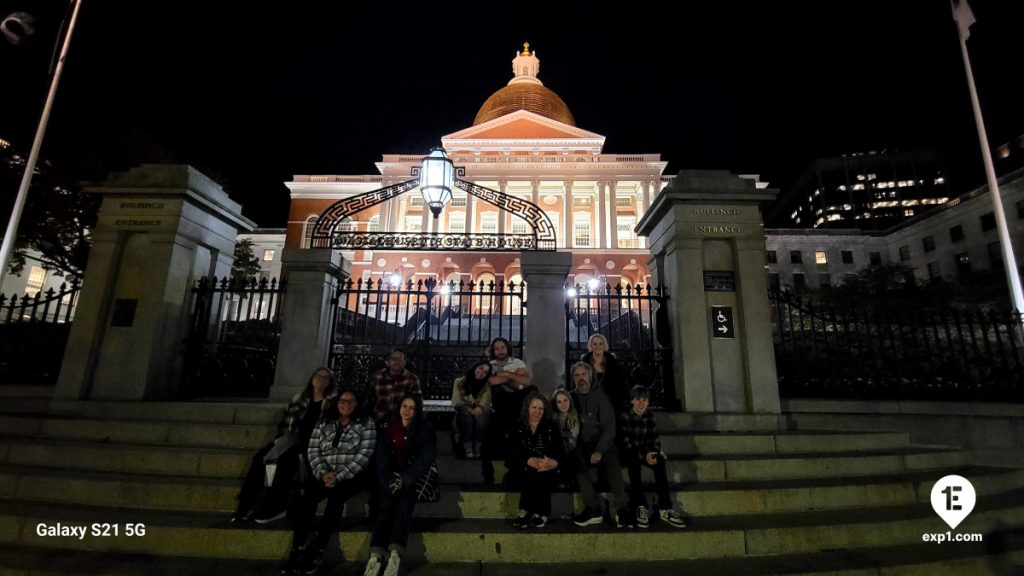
(641,446)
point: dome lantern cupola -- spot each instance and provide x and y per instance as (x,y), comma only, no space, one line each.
(525,92)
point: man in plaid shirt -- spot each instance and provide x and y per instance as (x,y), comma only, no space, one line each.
(388,385)
(641,446)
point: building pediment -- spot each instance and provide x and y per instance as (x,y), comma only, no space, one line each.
(521,125)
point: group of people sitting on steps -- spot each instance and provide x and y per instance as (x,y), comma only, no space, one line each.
(333,443)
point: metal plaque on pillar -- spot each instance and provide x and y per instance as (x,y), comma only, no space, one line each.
(722,325)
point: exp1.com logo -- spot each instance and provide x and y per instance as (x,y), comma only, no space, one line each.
(953,499)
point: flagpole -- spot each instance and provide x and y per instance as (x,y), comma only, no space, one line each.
(1009,262)
(30,166)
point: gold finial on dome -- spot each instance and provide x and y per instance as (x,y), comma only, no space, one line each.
(526,49)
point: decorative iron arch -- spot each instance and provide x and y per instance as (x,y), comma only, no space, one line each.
(327,235)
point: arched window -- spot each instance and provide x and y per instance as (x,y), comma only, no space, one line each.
(514,303)
(484,302)
(374,224)
(345,225)
(307,231)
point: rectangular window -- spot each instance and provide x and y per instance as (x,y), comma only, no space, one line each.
(875,258)
(413,224)
(956,233)
(1020,209)
(416,200)
(457,223)
(489,223)
(773,282)
(934,271)
(581,201)
(459,200)
(36,279)
(519,226)
(847,256)
(821,257)
(581,230)
(995,256)
(904,253)
(825,280)
(988,221)
(268,255)
(963,266)
(623,201)
(928,242)
(770,257)
(798,281)
(796,257)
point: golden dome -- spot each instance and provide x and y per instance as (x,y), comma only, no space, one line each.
(525,96)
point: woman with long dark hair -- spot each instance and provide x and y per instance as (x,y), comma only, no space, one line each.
(537,451)
(567,420)
(263,501)
(406,448)
(471,399)
(339,453)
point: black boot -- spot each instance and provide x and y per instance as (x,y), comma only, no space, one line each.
(291,565)
(312,557)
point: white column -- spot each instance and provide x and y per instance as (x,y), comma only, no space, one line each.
(502,215)
(470,206)
(566,234)
(425,219)
(613,224)
(600,234)
(535,184)
(647,196)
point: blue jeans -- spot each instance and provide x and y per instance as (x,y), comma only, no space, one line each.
(472,428)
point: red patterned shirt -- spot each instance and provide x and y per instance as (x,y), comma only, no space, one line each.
(387,389)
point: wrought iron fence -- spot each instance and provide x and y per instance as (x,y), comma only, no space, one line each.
(920,354)
(34,332)
(634,319)
(234,333)
(443,328)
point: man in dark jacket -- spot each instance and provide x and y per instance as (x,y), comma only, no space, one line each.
(596,449)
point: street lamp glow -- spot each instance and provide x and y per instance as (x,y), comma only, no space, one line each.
(436,178)
(570,292)
(396,280)
(593,284)
(446,290)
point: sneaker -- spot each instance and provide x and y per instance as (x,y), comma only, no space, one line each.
(538,521)
(311,560)
(588,517)
(643,517)
(623,519)
(372,566)
(241,518)
(393,563)
(674,518)
(261,519)
(522,519)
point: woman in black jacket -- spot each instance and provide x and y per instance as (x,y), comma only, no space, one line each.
(286,452)
(537,450)
(406,446)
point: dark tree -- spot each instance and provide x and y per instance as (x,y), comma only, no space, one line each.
(246,266)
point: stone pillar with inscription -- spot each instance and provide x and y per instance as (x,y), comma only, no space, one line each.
(160,228)
(707,249)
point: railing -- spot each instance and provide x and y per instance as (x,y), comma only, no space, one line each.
(233,338)
(34,332)
(442,327)
(634,320)
(944,354)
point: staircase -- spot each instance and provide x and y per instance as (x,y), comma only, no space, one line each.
(763,499)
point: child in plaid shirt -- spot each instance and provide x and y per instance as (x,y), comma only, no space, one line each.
(641,446)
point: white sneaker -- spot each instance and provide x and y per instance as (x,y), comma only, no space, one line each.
(393,562)
(372,566)
(674,518)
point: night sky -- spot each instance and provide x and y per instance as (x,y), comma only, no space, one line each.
(252,93)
